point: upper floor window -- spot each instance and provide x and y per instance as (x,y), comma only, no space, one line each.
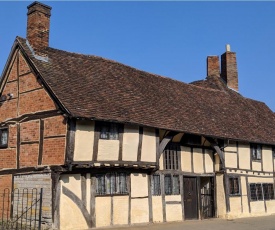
(109,131)
(256,151)
(171,157)
(111,183)
(234,186)
(4,138)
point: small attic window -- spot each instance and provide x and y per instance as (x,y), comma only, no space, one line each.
(4,138)
(109,131)
(256,152)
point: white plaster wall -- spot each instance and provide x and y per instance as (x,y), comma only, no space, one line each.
(230,160)
(209,164)
(260,180)
(161,162)
(232,147)
(235,205)
(257,207)
(130,143)
(70,215)
(108,150)
(120,208)
(173,212)
(257,166)
(139,185)
(221,208)
(270,206)
(198,160)
(103,211)
(139,211)
(84,141)
(244,156)
(267,159)
(244,194)
(149,145)
(157,209)
(186,159)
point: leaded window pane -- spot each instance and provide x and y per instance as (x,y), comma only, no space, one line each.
(156,185)
(176,185)
(4,137)
(253,195)
(259,192)
(168,184)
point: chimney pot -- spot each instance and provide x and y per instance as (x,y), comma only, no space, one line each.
(38,27)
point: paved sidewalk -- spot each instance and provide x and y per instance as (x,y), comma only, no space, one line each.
(252,223)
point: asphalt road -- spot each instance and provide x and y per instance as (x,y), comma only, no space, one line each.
(252,223)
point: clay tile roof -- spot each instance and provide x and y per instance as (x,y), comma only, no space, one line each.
(96,88)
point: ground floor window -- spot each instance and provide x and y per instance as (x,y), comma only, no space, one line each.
(156,189)
(111,183)
(234,188)
(264,191)
(171,184)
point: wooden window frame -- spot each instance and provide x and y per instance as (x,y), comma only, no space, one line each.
(156,185)
(107,131)
(2,130)
(234,186)
(253,152)
(109,184)
(171,157)
(261,193)
(173,188)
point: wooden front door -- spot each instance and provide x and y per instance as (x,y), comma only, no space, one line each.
(190,198)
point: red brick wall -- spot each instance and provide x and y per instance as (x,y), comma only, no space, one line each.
(55,126)
(54,151)
(29,155)
(29,131)
(7,158)
(31,98)
(5,189)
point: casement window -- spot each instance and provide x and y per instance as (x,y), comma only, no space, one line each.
(260,191)
(268,191)
(3,138)
(256,151)
(171,157)
(156,189)
(171,184)
(234,186)
(111,183)
(108,131)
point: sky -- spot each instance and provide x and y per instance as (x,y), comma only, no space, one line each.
(168,38)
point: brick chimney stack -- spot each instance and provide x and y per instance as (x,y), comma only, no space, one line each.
(213,66)
(229,72)
(38,26)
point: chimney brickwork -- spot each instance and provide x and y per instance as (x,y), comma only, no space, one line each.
(229,72)
(213,66)
(38,27)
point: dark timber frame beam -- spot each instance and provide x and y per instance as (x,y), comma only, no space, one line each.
(216,147)
(166,139)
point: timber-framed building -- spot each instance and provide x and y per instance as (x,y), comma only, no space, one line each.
(113,145)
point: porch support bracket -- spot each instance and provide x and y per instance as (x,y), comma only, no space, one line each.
(216,147)
(166,140)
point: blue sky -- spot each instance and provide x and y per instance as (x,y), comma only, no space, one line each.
(171,39)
